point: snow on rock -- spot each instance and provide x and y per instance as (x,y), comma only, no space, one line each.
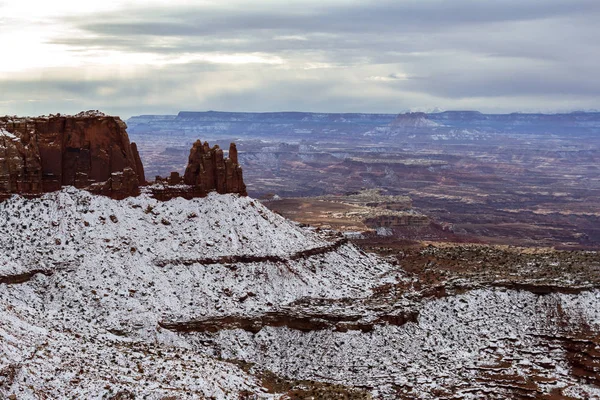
(92,291)
(7,134)
(36,362)
(445,351)
(71,223)
(112,257)
(90,113)
(97,275)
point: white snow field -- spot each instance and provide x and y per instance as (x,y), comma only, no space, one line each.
(102,273)
(85,282)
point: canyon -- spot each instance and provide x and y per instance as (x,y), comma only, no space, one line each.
(188,288)
(518,179)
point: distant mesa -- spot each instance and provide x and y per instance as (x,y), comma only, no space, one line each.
(413,120)
(92,151)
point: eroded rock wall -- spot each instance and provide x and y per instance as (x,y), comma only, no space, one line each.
(92,151)
(208,170)
(89,151)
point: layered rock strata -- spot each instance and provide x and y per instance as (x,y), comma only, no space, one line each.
(207,170)
(89,151)
(92,151)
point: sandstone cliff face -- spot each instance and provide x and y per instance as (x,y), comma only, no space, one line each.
(208,170)
(89,151)
(139,167)
(92,151)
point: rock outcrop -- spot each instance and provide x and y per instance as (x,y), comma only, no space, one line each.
(395,219)
(139,167)
(89,150)
(92,151)
(413,120)
(207,170)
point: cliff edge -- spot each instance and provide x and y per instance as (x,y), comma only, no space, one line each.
(92,151)
(89,150)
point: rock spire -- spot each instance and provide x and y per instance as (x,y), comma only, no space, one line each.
(92,151)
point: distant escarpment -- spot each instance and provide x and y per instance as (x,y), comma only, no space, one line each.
(92,151)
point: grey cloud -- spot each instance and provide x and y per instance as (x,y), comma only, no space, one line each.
(376,32)
(502,84)
(381,16)
(508,53)
(273,90)
(160,92)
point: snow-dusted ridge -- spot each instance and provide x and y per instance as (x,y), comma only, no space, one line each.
(102,283)
(477,345)
(102,298)
(218,225)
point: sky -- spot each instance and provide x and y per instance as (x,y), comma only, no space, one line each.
(159,57)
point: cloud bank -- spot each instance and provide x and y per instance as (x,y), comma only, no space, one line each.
(330,56)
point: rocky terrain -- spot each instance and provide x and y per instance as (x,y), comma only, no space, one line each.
(186,291)
(220,297)
(89,276)
(521,179)
(364,213)
(92,151)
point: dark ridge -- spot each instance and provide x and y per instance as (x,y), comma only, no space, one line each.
(249,259)
(24,277)
(296,320)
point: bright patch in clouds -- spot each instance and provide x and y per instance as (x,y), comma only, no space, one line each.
(27,51)
(389,78)
(305,55)
(41,10)
(39,23)
(238,59)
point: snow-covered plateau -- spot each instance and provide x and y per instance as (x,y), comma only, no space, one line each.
(139,298)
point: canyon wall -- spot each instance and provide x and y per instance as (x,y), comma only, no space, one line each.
(92,151)
(207,170)
(89,151)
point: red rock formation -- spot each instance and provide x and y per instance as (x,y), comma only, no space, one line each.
(139,167)
(89,151)
(92,151)
(120,185)
(208,170)
(174,179)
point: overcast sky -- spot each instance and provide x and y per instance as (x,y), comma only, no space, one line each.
(159,57)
